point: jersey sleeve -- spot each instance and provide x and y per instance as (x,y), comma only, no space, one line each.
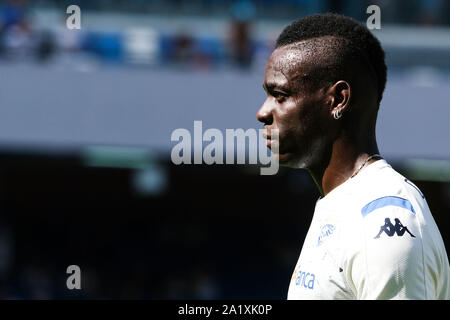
(388,261)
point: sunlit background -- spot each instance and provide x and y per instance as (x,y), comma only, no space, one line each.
(86,118)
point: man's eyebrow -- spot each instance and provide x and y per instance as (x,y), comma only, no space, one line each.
(271,86)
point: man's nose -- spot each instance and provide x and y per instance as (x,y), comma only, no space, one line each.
(265,113)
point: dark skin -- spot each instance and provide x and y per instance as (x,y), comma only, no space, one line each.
(309,136)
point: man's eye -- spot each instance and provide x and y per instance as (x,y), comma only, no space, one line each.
(279,95)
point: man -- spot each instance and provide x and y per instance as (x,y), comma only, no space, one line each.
(324,83)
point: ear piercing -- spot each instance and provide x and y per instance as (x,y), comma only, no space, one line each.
(337,114)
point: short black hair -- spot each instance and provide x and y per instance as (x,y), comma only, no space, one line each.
(360,42)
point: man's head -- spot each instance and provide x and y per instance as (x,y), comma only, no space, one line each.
(323,66)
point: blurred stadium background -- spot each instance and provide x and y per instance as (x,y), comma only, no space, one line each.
(85,124)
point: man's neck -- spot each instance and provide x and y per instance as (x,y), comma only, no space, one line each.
(345,159)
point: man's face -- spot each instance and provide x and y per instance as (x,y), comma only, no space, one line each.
(298,110)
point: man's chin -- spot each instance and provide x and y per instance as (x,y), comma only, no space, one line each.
(288,160)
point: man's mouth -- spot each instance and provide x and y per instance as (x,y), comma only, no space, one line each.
(265,133)
(271,142)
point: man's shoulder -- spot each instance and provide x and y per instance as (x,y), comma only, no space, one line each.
(379,193)
(386,188)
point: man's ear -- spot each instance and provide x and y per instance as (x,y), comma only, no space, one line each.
(340,94)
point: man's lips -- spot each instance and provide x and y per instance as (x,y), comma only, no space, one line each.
(265,134)
(271,142)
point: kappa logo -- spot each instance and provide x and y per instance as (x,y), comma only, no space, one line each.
(391,229)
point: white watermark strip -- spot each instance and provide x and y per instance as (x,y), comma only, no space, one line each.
(236,147)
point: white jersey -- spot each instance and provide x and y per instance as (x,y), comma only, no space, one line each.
(372,237)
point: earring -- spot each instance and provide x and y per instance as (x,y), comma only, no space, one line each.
(337,114)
